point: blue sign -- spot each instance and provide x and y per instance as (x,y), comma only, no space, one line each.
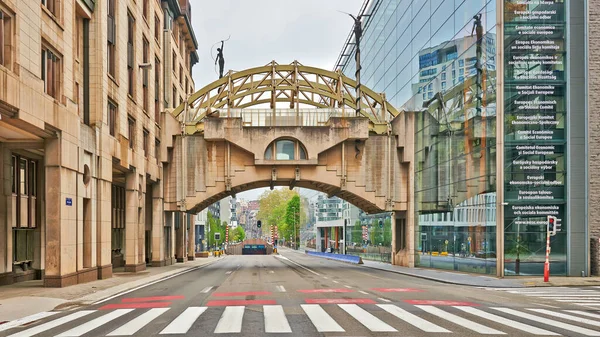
(69,202)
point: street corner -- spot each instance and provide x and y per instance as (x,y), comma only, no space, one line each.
(18,307)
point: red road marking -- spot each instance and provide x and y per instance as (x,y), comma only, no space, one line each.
(429,302)
(239,302)
(339,301)
(151,299)
(327,290)
(397,290)
(242,293)
(142,305)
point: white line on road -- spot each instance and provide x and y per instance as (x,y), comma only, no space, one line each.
(412,319)
(349,287)
(363,292)
(297,264)
(482,329)
(52,324)
(228,272)
(506,321)
(27,319)
(365,318)
(206,290)
(334,281)
(231,320)
(281,289)
(139,322)
(275,320)
(384,299)
(321,319)
(583,313)
(550,322)
(95,323)
(546,305)
(271,272)
(565,316)
(325,277)
(184,321)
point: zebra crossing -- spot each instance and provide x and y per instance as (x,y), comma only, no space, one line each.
(383,318)
(589,296)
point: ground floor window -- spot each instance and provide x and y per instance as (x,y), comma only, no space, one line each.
(23,245)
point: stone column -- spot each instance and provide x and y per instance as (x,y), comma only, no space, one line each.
(5,216)
(191,238)
(133,261)
(158,222)
(104,223)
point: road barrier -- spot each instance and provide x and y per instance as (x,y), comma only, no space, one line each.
(337,257)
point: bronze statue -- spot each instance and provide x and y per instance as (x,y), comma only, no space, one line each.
(220,59)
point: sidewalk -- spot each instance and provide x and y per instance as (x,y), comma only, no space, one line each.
(479,280)
(31,297)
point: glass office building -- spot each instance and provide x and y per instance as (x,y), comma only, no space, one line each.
(491,127)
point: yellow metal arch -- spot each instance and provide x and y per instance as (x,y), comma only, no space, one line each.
(293,83)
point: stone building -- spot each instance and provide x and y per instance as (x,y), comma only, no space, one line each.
(84,139)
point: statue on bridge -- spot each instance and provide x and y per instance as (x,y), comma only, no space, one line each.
(220,59)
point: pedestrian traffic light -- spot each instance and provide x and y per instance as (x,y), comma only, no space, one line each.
(258,224)
(553,225)
(380,224)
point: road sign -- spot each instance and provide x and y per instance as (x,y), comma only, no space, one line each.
(217,236)
(446,242)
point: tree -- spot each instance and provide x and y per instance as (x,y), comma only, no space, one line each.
(357,232)
(292,219)
(239,234)
(215,226)
(272,208)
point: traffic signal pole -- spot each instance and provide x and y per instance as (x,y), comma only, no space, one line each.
(547,263)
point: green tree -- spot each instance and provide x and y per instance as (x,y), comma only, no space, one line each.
(272,209)
(215,226)
(239,234)
(292,219)
(357,232)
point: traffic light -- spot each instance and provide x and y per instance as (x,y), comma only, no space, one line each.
(553,225)
(258,224)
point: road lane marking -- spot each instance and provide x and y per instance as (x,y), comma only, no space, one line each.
(547,321)
(325,277)
(339,301)
(139,322)
(228,272)
(142,305)
(297,264)
(231,320)
(271,272)
(566,316)
(409,318)
(349,287)
(334,281)
(275,320)
(325,290)
(27,319)
(281,289)
(206,290)
(397,290)
(151,299)
(321,319)
(506,321)
(95,323)
(239,302)
(363,292)
(52,324)
(384,299)
(365,318)
(465,323)
(583,313)
(437,302)
(242,293)
(184,321)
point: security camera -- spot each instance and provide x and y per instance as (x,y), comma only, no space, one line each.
(146,65)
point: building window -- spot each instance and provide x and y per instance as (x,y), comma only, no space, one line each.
(24,189)
(174,96)
(187,83)
(174,63)
(180,74)
(145,142)
(285,149)
(111,37)
(130,53)
(146,51)
(131,131)
(51,72)
(443,76)
(443,85)
(6,39)
(53,6)
(157,29)
(157,150)
(112,117)
(145,6)
(157,90)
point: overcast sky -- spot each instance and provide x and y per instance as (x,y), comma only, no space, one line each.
(310,31)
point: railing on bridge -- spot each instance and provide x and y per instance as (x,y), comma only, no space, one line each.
(285,117)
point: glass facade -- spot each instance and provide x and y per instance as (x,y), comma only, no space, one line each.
(438,58)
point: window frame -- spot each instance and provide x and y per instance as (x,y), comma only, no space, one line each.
(145,142)
(53,6)
(131,54)
(113,113)
(131,131)
(7,38)
(145,75)
(111,38)
(299,150)
(52,71)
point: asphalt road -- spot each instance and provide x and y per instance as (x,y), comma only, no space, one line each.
(297,295)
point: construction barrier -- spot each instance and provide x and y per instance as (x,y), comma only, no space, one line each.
(337,257)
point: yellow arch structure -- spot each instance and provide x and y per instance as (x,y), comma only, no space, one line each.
(293,83)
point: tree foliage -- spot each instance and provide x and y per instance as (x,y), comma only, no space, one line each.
(292,219)
(239,234)
(272,208)
(215,226)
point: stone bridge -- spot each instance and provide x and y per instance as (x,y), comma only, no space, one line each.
(236,136)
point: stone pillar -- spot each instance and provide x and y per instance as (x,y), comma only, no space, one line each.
(133,260)
(158,223)
(5,216)
(180,231)
(191,238)
(104,224)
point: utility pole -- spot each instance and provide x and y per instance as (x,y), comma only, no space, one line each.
(357,36)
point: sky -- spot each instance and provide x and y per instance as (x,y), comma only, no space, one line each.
(260,31)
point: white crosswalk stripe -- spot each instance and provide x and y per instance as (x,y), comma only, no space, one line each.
(549,322)
(579,296)
(231,320)
(465,323)
(275,320)
(184,322)
(321,319)
(506,321)
(95,323)
(139,322)
(376,318)
(365,318)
